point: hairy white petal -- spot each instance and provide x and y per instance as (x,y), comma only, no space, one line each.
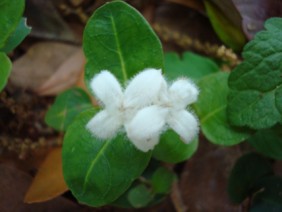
(144,88)
(145,128)
(185,124)
(105,125)
(107,89)
(182,93)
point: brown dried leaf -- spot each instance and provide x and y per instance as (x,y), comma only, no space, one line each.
(39,63)
(66,75)
(49,181)
(194,4)
(203,182)
(14,183)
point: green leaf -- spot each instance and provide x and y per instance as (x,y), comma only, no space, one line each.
(268,142)
(17,36)
(189,64)
(117,38)
(268,195)
(226,30)
(10,15)
(66,107)
(98,172)
(140,196)
(248,170)
(211,109)
(162,180)
(172,150)
(5,69)
(255,98)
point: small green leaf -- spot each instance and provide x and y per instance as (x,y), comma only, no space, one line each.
(189,64)
(140,196)
(268,195)
(172,150)
(98,172)
(66,107)
(268,142)
(10,15)
(117,38)
(5,69)
(17,36)
(247,171)
(226,30)
(162,180)
(211,109)
(255,98)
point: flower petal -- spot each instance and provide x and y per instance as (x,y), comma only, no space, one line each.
(144,88)
(146,126)
(104,125)
(185,124)
(107,89)
(182,93)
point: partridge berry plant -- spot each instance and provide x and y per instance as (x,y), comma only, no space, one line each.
(150,111)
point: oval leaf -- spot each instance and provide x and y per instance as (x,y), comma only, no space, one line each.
(49,181)
(67,105)
(255,98)
(140,196)
(5,69)
(189,64)
(117,38)
(248,170)
(10,15)
(228,31)
(98,172)
(268,196)
(211,109)
(17,36)
(162,180)
(172,150)
(268,142)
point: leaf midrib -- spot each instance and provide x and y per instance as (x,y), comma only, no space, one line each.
(212,113)
(119,52)
(93,163)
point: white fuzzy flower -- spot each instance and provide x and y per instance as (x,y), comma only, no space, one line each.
(146,126)
(120,107)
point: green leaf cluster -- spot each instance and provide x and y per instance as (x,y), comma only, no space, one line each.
(252,177)
(116,38)
(13,30)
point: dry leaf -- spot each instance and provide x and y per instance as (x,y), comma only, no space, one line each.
(66,75)
(14,183)
(194,4)
(39,63)
(49,181)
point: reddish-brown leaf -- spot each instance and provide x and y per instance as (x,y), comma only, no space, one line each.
(49,181)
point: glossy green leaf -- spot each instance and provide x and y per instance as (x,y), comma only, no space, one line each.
(162,180)
(5,69)
(17,36)
(172,150)
(145,180)
(255,98)
(226,30)
(140,196)
(10,15)
(98,172)
(211,109)
(268,194)
(247,171)
(117,38)
(268,142)
(189,65)
(66,107)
